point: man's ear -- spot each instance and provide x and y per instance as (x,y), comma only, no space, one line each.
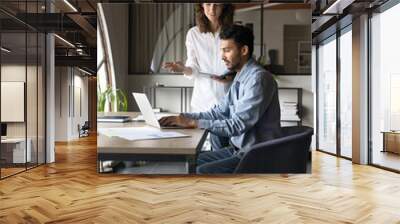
(244,50)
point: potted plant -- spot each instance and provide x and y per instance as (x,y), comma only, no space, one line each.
(112,97)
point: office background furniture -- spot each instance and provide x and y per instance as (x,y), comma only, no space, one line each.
(83,130)
(13,151)
(391,142)
(162,150)
(290,95)
(304,56)
(288,154)
(151,92)
(293,96)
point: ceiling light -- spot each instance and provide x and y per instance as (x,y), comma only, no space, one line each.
(337,7)
(5,50)
(70,5)
(65,41)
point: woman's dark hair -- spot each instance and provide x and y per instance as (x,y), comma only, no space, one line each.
(240,34)
(225,19)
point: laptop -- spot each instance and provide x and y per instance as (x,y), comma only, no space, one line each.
(147,111)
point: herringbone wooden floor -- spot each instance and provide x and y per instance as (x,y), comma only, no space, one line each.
(70,191)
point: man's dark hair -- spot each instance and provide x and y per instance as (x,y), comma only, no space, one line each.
(240,34)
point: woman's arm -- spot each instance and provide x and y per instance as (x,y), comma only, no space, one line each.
(190,68)
(178,67)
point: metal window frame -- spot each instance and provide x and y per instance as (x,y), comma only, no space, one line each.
(333,37)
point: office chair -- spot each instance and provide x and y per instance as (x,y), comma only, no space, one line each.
(288,154)
(84,130)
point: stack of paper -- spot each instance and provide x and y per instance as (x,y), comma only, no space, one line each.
(139,133)
(119,119)
(289,111)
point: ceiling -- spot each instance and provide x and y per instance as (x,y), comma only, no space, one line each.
(75,23)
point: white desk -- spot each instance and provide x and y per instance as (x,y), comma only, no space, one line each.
(173,149)
(16,147)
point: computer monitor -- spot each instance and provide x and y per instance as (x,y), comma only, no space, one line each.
(3,129)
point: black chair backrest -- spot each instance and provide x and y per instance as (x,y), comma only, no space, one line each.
(86,125)
(288,154)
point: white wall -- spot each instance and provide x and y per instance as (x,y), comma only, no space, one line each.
(69,82)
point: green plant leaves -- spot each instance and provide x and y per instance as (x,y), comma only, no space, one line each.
(113,97)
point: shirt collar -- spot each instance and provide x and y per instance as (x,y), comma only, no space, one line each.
(240,77)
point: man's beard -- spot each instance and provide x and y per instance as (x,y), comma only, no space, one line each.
(234,66)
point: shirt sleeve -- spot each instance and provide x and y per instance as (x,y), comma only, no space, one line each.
(219,111)
(191,60)
(249,109)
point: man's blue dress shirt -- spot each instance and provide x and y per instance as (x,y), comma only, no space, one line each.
(250,111)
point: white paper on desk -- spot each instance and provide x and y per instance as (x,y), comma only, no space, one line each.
(140,133)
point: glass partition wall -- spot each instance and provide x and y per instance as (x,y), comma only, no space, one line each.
(22,77)
(334,95)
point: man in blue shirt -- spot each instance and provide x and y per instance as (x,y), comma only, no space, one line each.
(249,113)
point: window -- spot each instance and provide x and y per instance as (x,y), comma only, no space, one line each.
(327,95)
(385,87)
(346,93)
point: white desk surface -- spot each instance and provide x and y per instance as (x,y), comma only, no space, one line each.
(13,140)
(173,146)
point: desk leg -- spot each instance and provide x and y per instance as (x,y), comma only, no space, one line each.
(384,142)
(186,110)
(192,164)
(154,97)
(181,100)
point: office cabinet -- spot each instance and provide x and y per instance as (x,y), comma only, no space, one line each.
(391,142)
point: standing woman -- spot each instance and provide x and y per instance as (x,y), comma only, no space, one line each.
(204,56)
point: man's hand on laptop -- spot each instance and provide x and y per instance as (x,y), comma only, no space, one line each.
(178,121)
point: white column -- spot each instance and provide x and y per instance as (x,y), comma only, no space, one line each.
(50,99)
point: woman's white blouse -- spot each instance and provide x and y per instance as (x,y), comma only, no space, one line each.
(204,55)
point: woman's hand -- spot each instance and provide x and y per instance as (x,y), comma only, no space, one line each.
(222,79)
(175,66)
